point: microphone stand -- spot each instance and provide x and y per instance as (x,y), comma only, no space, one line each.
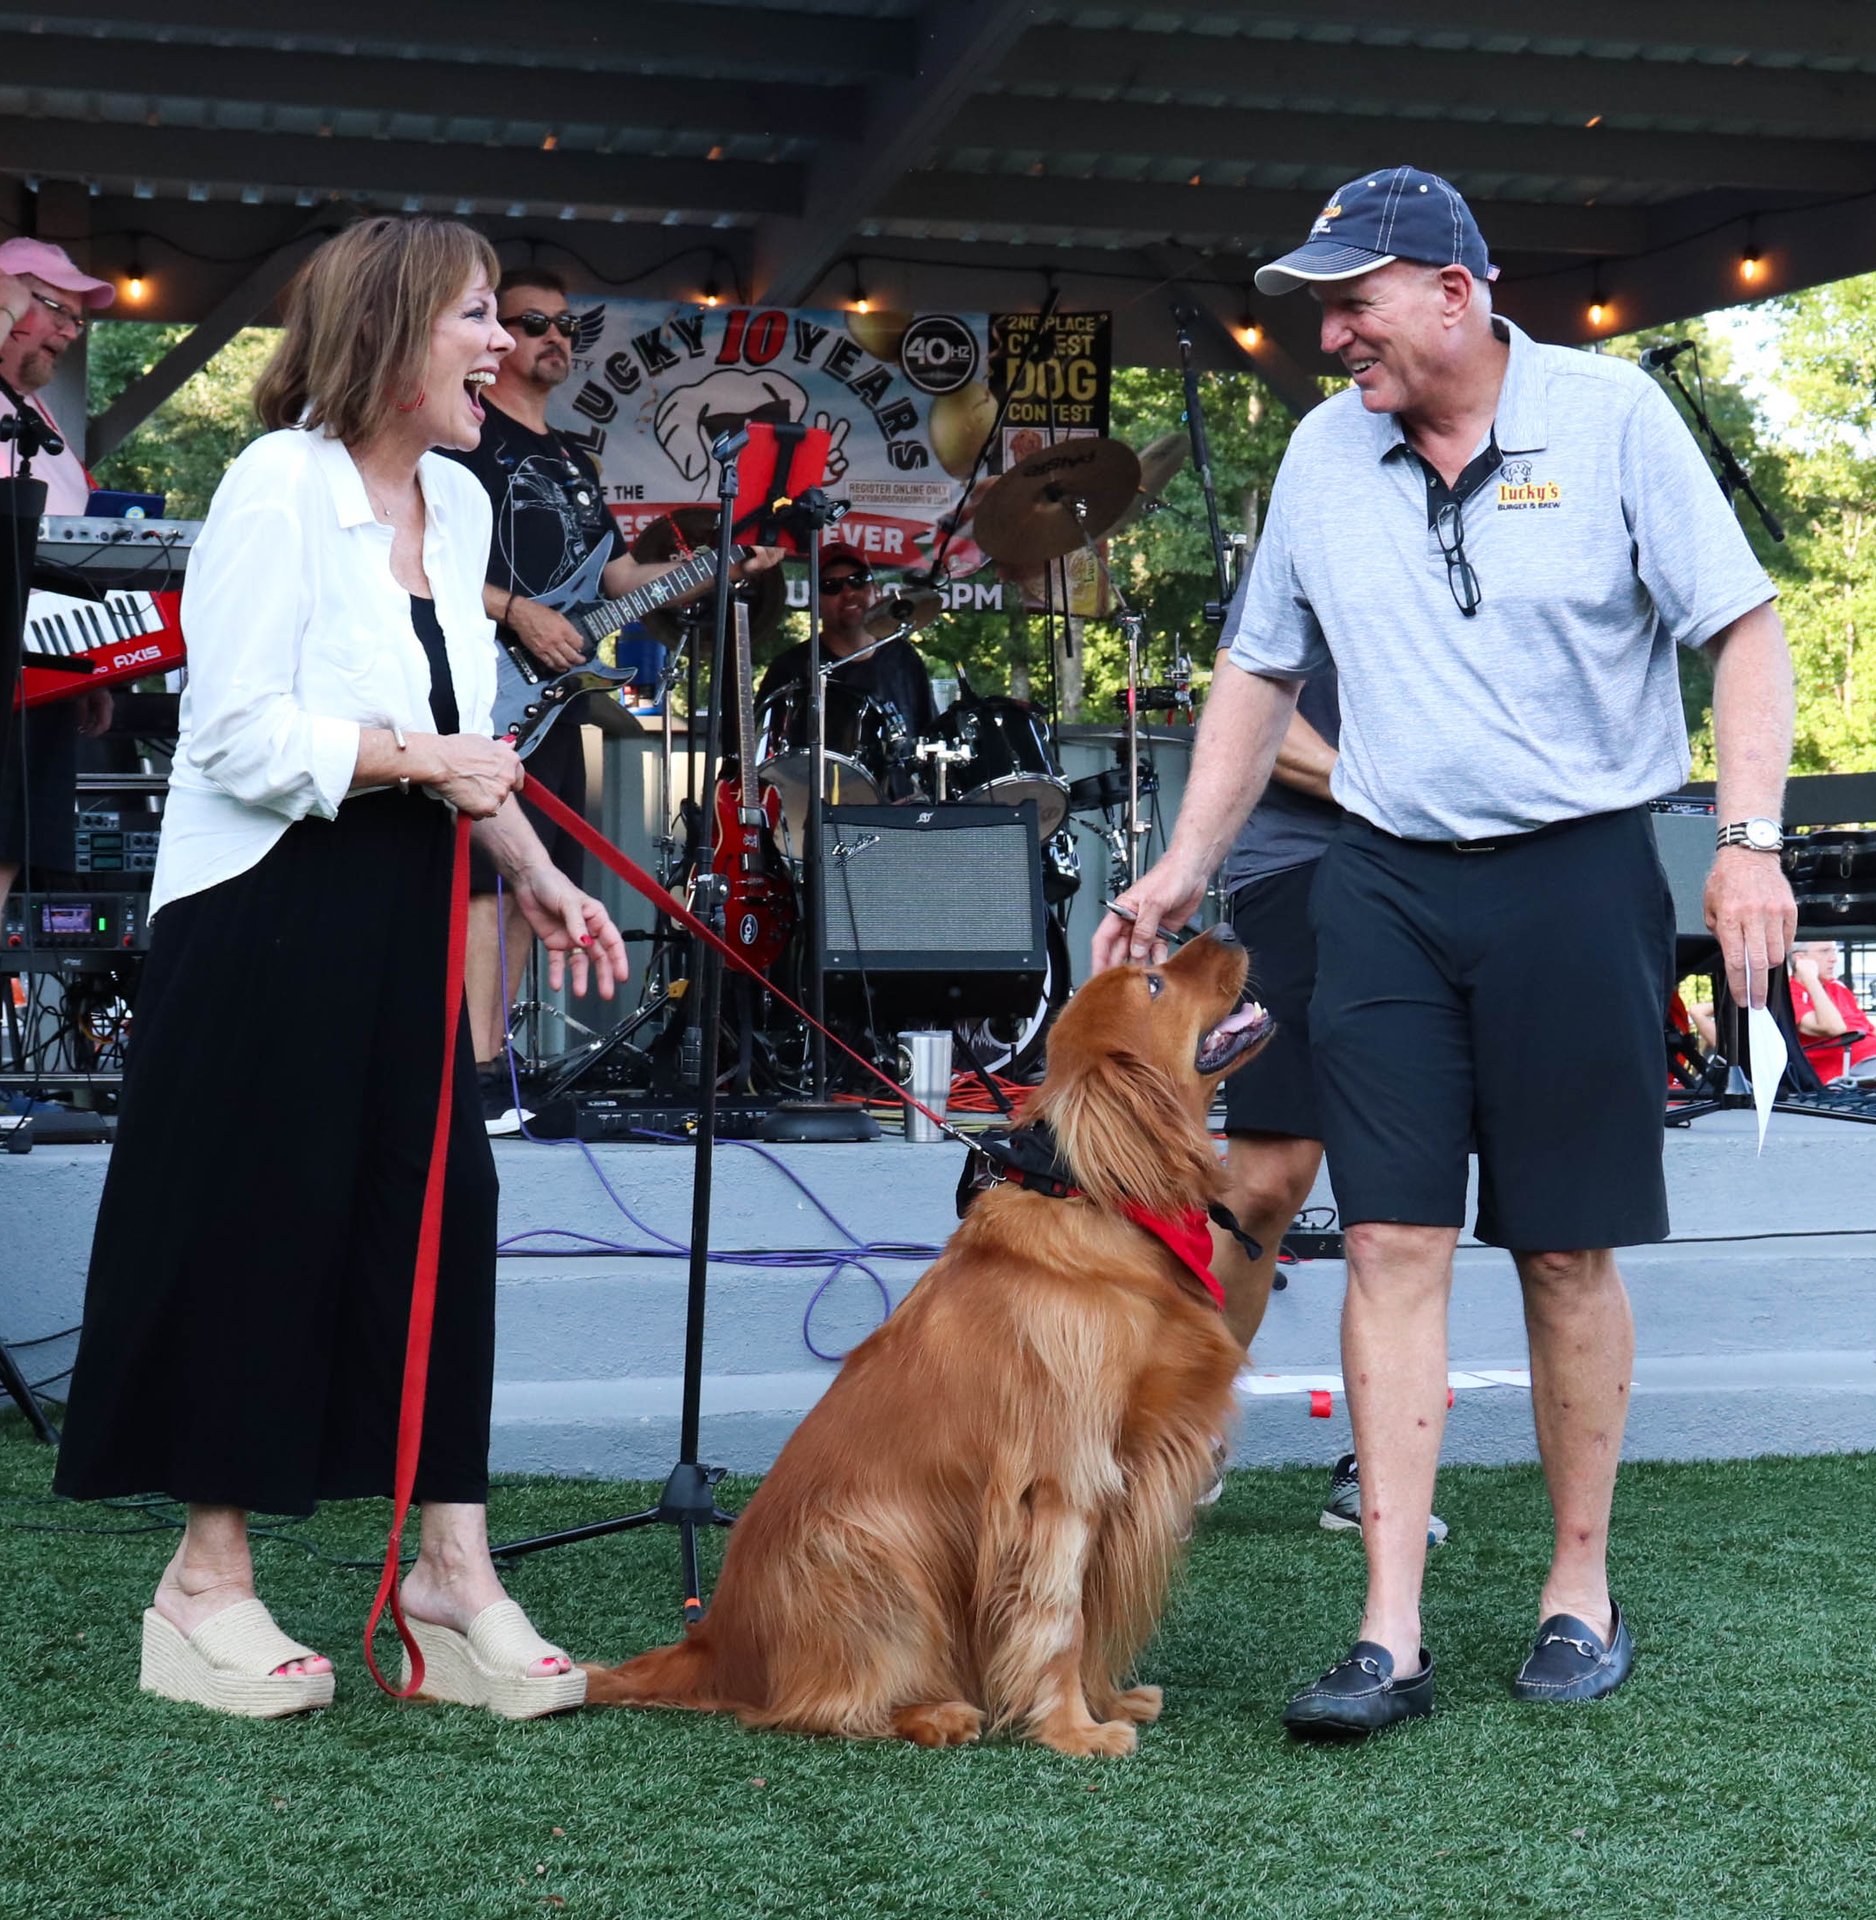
(1732,477)
(689,1498)
(22,504)
(807,517)
(1184,314)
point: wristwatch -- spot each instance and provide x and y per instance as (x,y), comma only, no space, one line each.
(1761,836)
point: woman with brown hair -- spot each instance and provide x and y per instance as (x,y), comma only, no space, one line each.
(252,1267)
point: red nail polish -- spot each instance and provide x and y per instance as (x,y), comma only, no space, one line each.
(586,939)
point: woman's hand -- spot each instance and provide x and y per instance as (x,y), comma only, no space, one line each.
(569,922)
(478,774)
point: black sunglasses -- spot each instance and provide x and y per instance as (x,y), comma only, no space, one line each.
(1449,528)
(534,323)
(843,582)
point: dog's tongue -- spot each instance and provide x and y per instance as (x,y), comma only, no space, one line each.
(1237,1022)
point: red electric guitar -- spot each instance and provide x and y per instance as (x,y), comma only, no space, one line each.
(760,914)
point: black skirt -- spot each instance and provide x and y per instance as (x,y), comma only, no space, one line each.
(250,1278)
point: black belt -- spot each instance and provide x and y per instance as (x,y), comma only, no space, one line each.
(1497,843)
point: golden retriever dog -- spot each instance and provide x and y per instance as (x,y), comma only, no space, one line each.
(975,1527)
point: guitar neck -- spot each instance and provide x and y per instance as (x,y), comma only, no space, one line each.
(603,618)
(745,709)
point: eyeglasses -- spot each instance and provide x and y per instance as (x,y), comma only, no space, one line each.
(534,323)
(64,315)
(1449,528)
(845,582)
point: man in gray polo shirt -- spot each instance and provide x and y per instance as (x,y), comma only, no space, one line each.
(1498,546)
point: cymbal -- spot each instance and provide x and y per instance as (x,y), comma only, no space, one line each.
(1159,460)
(1046,505)
(896,609)
(683,532)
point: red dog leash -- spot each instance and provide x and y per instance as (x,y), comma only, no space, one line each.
(429,1237)
(423,1284)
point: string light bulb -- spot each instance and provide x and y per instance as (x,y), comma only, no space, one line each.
(1250,334)
(134,283)
(710,294)
(1598,306)
(1749,265)
(861,304)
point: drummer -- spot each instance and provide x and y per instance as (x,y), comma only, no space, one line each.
(892,675)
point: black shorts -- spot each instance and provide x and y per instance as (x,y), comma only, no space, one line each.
(1276,1093)
(1512,1002)
(559,765)
(38,785)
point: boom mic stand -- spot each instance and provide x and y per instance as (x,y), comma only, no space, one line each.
(689,1498)
(1732,477)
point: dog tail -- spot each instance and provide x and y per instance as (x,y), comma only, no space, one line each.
(680,1675)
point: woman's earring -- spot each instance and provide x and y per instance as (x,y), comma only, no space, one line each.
(411,406)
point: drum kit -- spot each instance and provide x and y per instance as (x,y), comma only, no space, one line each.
(983,750)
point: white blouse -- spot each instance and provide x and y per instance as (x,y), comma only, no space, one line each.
(299,637)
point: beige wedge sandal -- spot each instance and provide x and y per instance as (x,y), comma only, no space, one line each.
(488,1666)
(228,1664)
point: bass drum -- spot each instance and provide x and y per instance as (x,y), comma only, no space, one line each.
(861,743)
(1007,758)
(1014,1046)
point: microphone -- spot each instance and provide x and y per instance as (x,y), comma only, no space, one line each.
(1653,359)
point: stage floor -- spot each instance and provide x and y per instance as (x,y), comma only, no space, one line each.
(1756,1325)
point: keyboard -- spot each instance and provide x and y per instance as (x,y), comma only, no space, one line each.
(150,554)
(73,643)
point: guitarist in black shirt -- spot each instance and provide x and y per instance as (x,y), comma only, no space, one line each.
(552,530)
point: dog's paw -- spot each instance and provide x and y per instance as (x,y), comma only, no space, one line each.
(1141,1705)
(1098,1740)
(939,1723)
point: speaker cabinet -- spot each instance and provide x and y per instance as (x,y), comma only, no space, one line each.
(933,914)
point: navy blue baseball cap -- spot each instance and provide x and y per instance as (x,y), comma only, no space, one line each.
(1394,213)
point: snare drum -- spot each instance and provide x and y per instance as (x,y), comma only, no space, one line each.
(862,739)
(1007,758)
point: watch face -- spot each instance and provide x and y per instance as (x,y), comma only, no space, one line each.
(1763,835)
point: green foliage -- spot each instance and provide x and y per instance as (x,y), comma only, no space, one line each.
(1818,473)
(186,446)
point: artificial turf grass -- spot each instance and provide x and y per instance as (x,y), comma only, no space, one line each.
(1733,1776)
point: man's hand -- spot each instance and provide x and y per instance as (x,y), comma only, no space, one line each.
(569,922)
(551,637)
(15,298)
(760,560)
(1166,895)
(1750,910)
(95,705)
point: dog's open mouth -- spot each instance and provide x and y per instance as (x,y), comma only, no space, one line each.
(1234,1037)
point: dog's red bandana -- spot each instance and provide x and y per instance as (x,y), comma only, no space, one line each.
(1188,1238)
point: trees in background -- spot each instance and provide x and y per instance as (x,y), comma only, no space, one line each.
(1815,464)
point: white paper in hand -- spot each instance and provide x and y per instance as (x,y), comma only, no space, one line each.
(1766,1057)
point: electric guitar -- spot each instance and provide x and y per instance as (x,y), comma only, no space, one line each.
(521,681)
(760,913)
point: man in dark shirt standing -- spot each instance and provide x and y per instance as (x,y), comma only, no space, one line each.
(550,517)
(893,676)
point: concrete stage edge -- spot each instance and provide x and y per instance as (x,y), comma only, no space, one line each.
(1763,1344)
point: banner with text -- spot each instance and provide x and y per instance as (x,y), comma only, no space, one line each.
(907,398)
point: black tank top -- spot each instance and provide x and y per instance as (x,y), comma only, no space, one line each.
(442,687)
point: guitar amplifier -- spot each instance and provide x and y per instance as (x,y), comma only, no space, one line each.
(933,914)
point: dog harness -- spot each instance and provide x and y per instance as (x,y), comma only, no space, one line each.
(1029,1157)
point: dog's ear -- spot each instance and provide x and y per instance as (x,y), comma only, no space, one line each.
(1129,1133)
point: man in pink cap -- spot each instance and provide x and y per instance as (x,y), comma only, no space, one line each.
(45,304)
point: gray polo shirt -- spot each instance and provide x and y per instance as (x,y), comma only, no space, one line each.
(1601,542)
